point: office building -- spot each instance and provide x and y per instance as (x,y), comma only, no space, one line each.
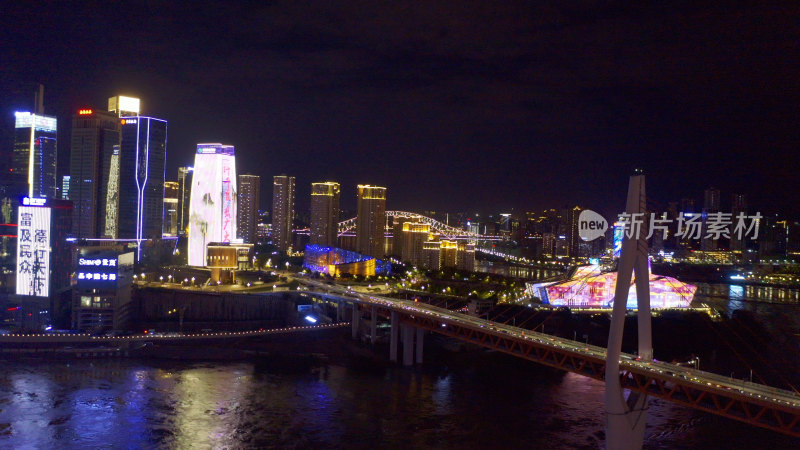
(142,158)
(184,197)
(247,209)
(371,220)
(324,213)
(33,165)
(101,299)
(282,211)
(711,205)
(43,257)
(573,236)
(212,211)
(95,137)
(171,192)
(738,206)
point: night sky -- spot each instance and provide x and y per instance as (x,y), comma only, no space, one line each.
(453,105)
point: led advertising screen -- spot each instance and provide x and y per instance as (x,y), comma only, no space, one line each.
(212,207)
(33,249)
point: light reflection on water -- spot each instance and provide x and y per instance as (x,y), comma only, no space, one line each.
(135,404)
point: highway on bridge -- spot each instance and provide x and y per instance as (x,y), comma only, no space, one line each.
(754,403)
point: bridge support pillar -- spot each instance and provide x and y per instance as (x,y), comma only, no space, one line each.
(420,337)
(625,418)
(373,330)
(354,322)
(408,345)
(394,336)
(339,307)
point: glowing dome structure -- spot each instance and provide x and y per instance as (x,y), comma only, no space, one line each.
(591,287)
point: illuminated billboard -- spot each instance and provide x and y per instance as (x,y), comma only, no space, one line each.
(590,287)
(37,121)
(212,207)
(103,270)
(33,248)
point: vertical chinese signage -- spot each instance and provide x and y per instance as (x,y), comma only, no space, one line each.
(33,249)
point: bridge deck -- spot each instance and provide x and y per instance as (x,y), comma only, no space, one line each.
(753,403)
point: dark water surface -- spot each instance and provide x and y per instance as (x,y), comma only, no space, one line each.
(497,403)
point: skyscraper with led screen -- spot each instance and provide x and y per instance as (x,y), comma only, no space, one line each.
(142,159)
(34,160)
(212,208)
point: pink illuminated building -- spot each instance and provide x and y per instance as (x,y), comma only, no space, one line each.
(590,287)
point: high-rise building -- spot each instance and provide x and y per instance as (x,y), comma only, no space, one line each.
(33,165)
(324,213)
(371,220)
(573,235)
(282,211)
(212,214)
(711,205)
(142,159)
(397,235)
(465,259)
(247,209)
(711,200)
(43,254)
(95,135)
(414,236)
(184,197)
(171,191)
(738,206)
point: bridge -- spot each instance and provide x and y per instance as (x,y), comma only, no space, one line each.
(752,403)
(347,228)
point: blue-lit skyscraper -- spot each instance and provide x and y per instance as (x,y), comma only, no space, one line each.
(142,160)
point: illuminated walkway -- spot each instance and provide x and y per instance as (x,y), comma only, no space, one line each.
(174,337)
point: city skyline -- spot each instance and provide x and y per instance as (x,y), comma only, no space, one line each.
(515,106)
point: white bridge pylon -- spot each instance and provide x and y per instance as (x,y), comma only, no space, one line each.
(625,418)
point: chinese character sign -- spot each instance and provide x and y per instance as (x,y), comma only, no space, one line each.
(97,272)
(33,251)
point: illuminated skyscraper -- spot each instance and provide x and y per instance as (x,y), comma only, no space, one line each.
(711,205)
(282,211)
(170,208)
(414,236)
(738,206)
(371,220)
(142,158)
(35,154)
(324,213)
(212,211)
(249,199)
(184,196)
(573,235)
(95,134)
